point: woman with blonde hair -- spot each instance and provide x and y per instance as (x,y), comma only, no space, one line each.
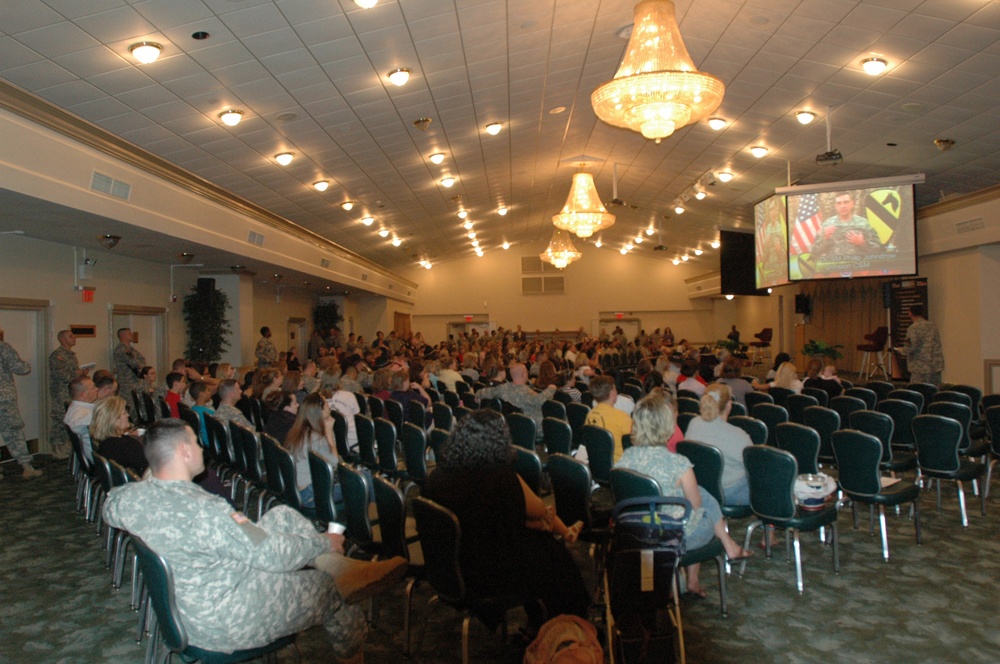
(109,431)
(312,432)
(713,429)
(786,377)
(653,423)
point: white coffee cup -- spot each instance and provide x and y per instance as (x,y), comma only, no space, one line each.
(336,528)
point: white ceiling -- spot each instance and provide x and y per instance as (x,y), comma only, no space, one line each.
(310,76)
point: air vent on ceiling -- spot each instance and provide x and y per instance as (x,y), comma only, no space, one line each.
(970,226)
(364,277)
(324,262)
(255,238)
(105,184)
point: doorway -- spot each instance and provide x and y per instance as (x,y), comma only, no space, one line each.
(298,337)
(149,327)
(25,325)
(401,323)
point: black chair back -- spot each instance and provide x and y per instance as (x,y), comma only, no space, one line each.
(953,396)
(553,408)
(927,390)
(452,399)
(796,405)
(576,415)
(819,395)
(356,491)
(845,405)
(688,405)
(868,396)
(756,429)
(771,473)
(571,486)
(440,541)
(385,437)
(754,398)
(376,407)
(937,439)
(802,442)
(916,398)
(443,417)
(902,414)
(391,508)
(600,444)
(825,421)
(875,424)
(557,436)
(780,394)
(708,464)
(414,442)
(771,415)
(958,412)
(738,409)
(881,389)
(394,413)
(529,467)
(858,458)
(522,430)
(627,483)
(323,483)
(365,428)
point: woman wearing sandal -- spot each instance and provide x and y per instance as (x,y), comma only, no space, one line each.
(507,531)
(653,423)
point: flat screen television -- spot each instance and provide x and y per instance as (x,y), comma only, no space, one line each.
(737,264)
(771,238)
(863,228)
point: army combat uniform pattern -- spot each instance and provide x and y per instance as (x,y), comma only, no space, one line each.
(11,424)
(63,368)
(128,363)
(237,584)
(924,358)
(267,354)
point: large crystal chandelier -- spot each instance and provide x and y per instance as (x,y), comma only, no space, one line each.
(561,251)
(657,89)
(583,214)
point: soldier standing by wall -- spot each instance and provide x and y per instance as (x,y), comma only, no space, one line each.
(63,368)
(11,424)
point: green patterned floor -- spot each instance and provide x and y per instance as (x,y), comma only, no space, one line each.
(932,603)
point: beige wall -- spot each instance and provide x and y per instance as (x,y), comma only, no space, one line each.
(651,290)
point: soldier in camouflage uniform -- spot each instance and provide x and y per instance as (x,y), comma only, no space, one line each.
(267,354)
(11,424)
(846,232)
(128,362)
(63,368)
(517,393)
(239,584)
(924,358)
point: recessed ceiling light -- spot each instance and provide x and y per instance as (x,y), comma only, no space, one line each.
(639,239)
(231,117)
(436,158)
(649,231)
(698,252)
(717,123)
(623,251)
(599,243)
(505,245)
(679,209)
(447,182)
(427,265)
(501,210)
(685,258)
(494,128)
(366,4)
(758,151)
(368,221)
(200,35)
(467,225)
(724,176)
(321,185)
(285,158)
(475,243)
(472,235)
(399,77)
(874,66)
(805,117)
(676,261)
(629,246)
(145,52)
(462,214)
(729,297)
(396,242)
(716,244)
(384,232)
(347,206)
(479,252)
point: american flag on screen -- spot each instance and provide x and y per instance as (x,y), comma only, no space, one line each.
(807,224)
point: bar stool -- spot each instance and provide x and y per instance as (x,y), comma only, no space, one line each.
(761,347)
(873,359)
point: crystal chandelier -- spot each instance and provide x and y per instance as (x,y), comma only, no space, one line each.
(561,251)
(657,88)
(583,214)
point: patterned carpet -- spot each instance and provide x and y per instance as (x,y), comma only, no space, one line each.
(932,603)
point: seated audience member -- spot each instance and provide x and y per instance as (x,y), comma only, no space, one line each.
(786,377)
(176,384)
(229,394)
(653,423)
(80,413)
(449,376)
(147,380)
(691,381)
(581,367)
(604,414)
(517,393)
(312,432)
(824,378)
(469,363)
(404,391)
(111,437)
(507,542)
(310,380)
(547,375)
(344,402)
(284,407)
(732,371)
(380,384)
(245,584)
(712,428)
(107,386)
(292,358)
(201,394)
(779,359)
(565,382)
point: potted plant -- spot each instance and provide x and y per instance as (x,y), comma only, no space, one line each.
(207,325)
(821,349)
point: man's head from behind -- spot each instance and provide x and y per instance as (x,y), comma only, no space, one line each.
(603,389)
(229,391)
(518,374)
(176,382)
(106,386)
(83,389)
(171,449)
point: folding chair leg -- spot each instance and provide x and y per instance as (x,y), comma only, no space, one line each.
(961,503)
(885,535)
(798,560)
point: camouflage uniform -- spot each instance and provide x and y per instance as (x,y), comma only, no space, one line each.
(267,354)
(238,584)
(226,414)
(11,424)
(63,367)
(522,396)
(837,243)
(924,358)
(128,362)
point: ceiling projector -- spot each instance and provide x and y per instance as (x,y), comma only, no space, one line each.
(830,157)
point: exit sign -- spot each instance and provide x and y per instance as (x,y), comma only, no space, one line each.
(87,296)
